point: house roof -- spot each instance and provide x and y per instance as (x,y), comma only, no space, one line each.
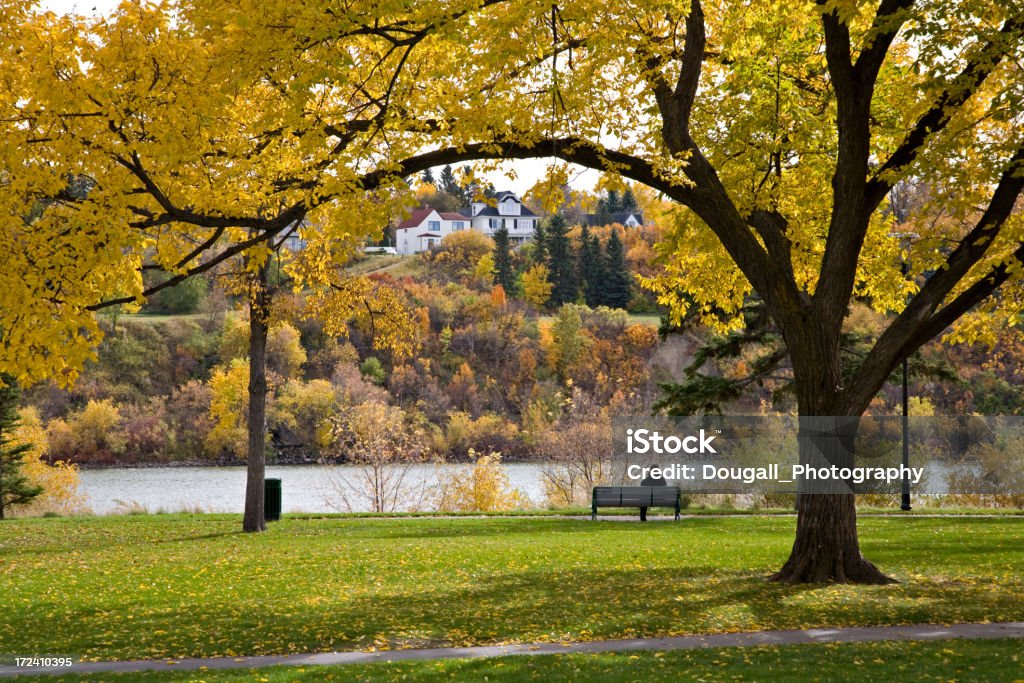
(429,234)
(620,218)
(489,210)
(419,215)
(416,219)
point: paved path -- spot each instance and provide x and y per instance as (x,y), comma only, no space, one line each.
(815,635)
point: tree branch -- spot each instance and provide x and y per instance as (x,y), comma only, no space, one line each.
(888,21)
(963,86)
(923,318)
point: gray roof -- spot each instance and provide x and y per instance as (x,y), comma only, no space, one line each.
(621,217)
(489,210)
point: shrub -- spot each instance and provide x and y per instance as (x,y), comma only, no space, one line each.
(59,480)
(482,487)
(90,435)
(189,418)
(578,452)
(353,387)
(229,405)
(372,370)
(285,354)
(305,409)
(145,433)
(384,443)
(992,472)
(463,391)
(459,254)
(464,436)
(323,362)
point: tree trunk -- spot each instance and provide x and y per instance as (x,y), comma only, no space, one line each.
(1,479)
(826,548)
(259,313)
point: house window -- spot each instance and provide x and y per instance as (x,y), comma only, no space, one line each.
(457,225)
(494,223)
(434,225)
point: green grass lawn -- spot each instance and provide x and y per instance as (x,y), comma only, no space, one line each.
(975,661)
(192,585)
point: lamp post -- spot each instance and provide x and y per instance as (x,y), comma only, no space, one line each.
(905,494)
(905,489)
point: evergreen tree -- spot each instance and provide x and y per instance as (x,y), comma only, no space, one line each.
(602,215)
(617,290)
(561,264)
(628,200)
(472,189)
(503,274)
(540,244)
(449,184)
(428,177)
(591,267)
(15,488)
(614,203)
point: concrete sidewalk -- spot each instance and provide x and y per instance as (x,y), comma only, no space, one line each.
(795,637)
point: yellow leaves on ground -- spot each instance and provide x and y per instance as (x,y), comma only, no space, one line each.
(324,584)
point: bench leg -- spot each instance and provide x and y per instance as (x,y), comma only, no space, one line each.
(643,513)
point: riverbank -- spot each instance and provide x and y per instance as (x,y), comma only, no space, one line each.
(275,462)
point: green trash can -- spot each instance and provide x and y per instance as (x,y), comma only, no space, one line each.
(271,500)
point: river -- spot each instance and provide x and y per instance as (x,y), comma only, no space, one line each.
(305,488)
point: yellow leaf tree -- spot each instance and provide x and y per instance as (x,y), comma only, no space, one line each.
(780,130)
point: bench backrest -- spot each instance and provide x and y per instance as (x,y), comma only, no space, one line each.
(635,496)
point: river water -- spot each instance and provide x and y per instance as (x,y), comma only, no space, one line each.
(305,488)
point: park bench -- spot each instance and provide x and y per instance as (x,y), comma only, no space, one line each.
(642,497)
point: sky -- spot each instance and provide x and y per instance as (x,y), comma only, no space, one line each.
(519,175)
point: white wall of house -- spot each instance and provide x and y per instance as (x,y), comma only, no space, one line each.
(431,230)
(519,228)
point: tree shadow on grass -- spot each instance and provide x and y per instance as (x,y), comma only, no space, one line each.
(420,528)
(200,537)
(570,604)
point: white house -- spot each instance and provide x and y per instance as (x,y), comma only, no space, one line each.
(425,228)
(509,213)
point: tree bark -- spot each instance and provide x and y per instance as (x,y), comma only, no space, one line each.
(826,548)
(259,314)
